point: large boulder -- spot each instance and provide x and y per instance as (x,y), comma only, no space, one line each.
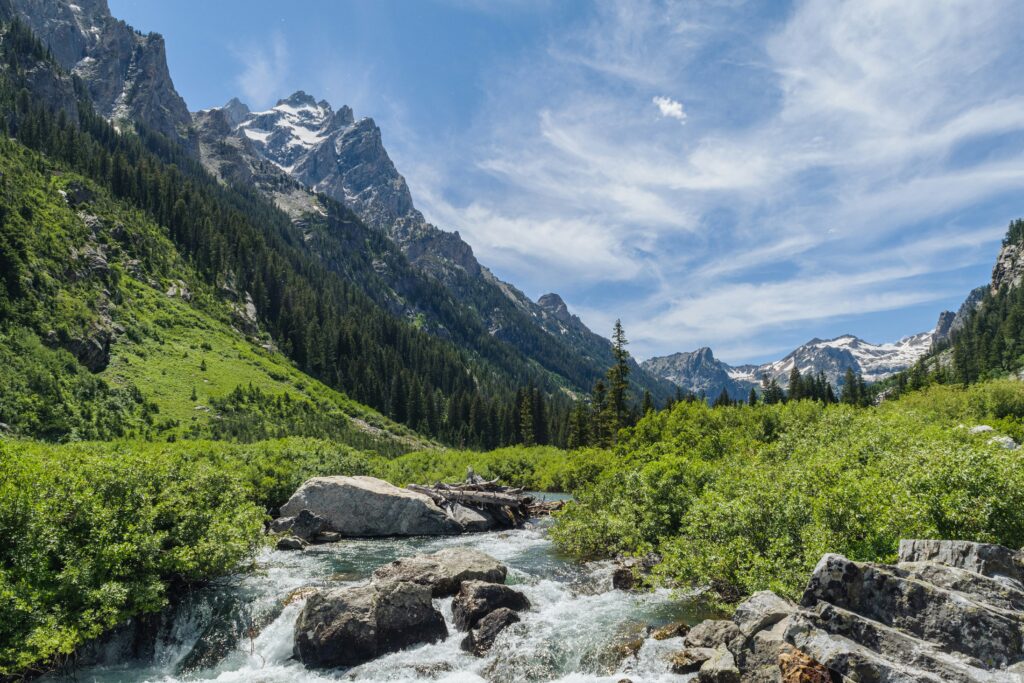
(477,599)
(445,570)
(366,506)
(349,626)
(951,619)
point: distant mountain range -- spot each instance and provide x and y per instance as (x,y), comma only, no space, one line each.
(700,372)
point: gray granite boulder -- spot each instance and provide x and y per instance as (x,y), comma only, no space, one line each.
(445,570)
(349,626)
(366,506)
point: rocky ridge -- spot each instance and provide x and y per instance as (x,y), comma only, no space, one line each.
(947,611)
(699,371)
(125,71)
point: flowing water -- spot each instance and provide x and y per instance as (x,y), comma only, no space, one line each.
(578,629)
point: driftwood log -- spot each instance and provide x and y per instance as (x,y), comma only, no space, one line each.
(505,504)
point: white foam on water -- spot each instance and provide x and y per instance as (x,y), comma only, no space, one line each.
(570,634)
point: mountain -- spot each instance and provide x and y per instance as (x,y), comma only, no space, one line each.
(332,154)
(699,371)
(125,71)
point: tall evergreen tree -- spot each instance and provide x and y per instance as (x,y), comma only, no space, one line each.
(618,380)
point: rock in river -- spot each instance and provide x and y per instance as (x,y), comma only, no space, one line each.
(445,570)
(366,506)
(349,626)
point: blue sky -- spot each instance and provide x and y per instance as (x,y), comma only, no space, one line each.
(738,175)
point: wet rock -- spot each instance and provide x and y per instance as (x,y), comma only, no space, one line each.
(290,543)
(720,668)
(307,525)
(676,629)
(796,667)
(327,537)
(623,579)
(760,611)
(366,506)
(349,626)
(691,659)
(477,599)
(445,570)
(714,633)
(281,525)
(481,638)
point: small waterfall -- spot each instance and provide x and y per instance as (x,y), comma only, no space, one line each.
(577,630)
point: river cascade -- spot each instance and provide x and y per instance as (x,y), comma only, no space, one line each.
(241,629)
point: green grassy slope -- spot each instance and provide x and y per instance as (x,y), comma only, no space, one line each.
(87,270)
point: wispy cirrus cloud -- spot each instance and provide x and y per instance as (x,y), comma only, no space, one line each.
(264,70)
(839,160)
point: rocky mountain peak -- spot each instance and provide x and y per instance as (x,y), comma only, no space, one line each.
(555,306)
(236,111)
(299,98)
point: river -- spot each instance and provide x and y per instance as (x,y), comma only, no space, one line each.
(240,629)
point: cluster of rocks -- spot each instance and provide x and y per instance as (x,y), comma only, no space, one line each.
(395,609)
(326,509)
(948,611)
(998,440)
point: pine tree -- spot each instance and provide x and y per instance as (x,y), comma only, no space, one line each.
(600,429)
(796,387)
(618,380)
(526,421)
(723,400)
(850,392)
(648,405)
(579,427)
(752,397)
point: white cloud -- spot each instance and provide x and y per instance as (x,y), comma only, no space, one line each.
(670,108)
(264,70)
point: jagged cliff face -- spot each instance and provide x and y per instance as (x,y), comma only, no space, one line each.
(333,153)
(125,71)
(1009,269)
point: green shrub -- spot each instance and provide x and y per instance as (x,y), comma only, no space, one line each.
(749,498)
(93,533)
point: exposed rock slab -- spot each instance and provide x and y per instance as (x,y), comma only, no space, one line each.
(949,611)
(444,571)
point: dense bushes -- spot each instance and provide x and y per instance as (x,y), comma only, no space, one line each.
(92,533)
(540,468)
(748,498)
